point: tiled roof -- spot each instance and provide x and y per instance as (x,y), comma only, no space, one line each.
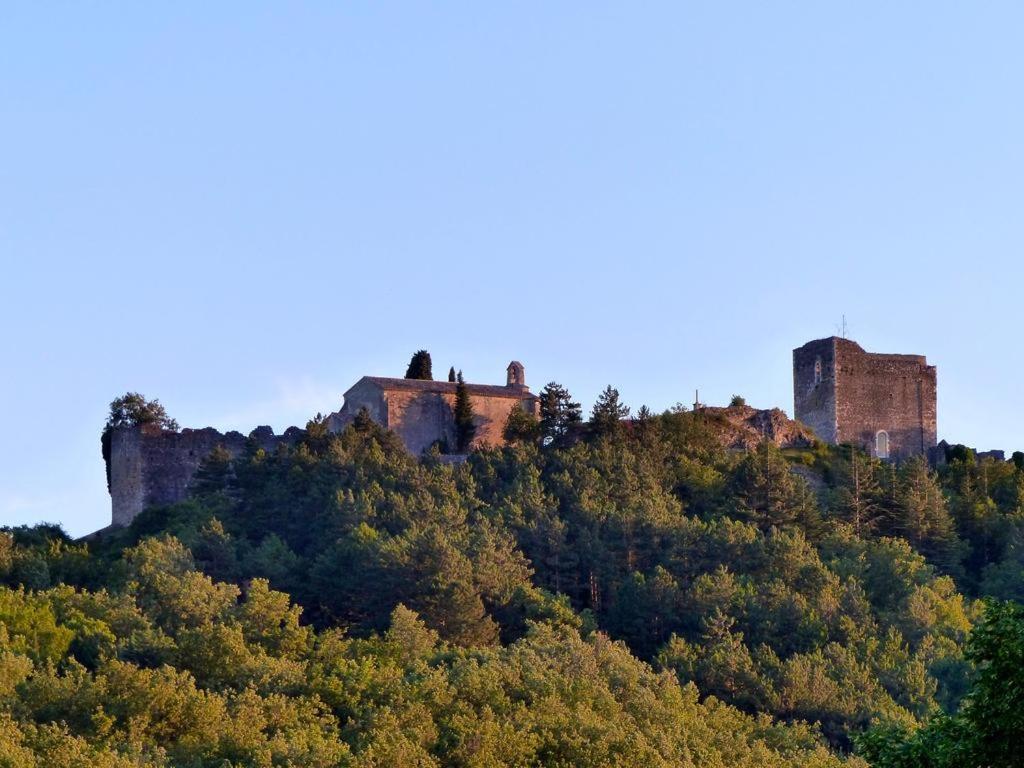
(421,385)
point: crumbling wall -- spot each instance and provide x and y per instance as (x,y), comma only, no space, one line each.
(891,393)
(150,466)
(847,395)
(814,388)
(125,474)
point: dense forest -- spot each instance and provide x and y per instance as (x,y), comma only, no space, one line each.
(612,592)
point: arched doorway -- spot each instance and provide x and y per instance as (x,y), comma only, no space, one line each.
(882,444)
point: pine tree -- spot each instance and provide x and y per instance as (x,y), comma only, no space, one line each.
(214,551)
(642,423)
(767,493)
(363,421)
(921,516)
(215,474)
(451,374)
(465,429)
(420,367)
(521,426)
(444,595)
(558,412)
(608,413)
(858,498)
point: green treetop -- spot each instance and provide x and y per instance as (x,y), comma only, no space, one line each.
(558,412)
(132,410)
(608,413)
(420,367)
(464,426)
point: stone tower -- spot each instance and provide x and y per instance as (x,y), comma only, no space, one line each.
(884,403)
(516,375)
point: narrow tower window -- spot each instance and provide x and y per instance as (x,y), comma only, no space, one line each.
(882,444)
(817,372)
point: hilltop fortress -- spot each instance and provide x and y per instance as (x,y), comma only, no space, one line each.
(150,466)
(885,404)
(842,394)
(422,412)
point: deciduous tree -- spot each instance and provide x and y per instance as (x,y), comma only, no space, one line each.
(133,409)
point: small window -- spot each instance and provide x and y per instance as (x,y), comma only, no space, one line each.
(882,444)
(817,372)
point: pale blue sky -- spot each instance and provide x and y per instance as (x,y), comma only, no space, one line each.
(240,208)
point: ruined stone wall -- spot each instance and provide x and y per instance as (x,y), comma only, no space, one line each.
(858,394)
(814,400)
(150,466)
(894,393)
(125,475)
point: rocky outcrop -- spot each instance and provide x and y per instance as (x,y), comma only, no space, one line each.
(740,427)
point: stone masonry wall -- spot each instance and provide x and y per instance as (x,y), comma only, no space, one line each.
(154,467)
(421,418)
(150,466)
(364,394)
(894,393)
(815,401)
(861,393)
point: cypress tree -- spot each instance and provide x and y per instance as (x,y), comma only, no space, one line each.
(464,426)
(420,366)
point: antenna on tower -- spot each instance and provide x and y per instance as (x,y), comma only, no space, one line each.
(841,328)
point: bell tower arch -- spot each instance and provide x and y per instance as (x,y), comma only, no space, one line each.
(516,375)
